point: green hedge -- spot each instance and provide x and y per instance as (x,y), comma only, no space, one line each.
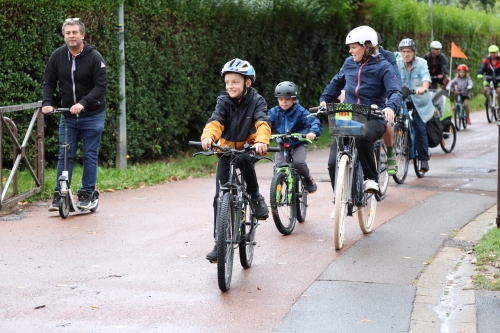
(175,50)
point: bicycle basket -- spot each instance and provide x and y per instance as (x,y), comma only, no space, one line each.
(347,119)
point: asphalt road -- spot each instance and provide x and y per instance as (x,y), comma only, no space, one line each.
(138,263)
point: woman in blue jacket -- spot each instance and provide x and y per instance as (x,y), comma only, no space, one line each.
(368,78)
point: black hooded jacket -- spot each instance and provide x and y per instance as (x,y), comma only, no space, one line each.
(84,82)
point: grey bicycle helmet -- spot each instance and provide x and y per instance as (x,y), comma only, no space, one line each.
(408,43)
(286,89)
(239,66)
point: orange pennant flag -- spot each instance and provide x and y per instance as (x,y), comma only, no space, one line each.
(456,52)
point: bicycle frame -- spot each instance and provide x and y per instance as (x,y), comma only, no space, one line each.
(408,121)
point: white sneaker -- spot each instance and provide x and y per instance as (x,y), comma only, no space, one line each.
(370,185)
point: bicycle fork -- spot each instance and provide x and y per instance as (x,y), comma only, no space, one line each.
(290,183)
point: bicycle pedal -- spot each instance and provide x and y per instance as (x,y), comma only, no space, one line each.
(213,262)
(262,218)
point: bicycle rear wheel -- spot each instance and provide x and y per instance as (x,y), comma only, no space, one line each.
(416,166)
(301,199)
(247,231)
(401,151)
(282,203)
(341,202)
(366,213)
(489,106)
(449,137)
(225,236)
(383,175)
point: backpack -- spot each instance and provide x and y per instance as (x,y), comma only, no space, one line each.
(434,132)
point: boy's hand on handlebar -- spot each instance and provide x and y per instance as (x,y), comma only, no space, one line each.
(260,148)
(311,136)
(206,143)
(76,109)
(47,109)
(389,114)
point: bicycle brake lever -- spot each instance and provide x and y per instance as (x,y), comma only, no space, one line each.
(206,153)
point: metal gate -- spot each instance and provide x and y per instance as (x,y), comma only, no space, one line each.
(19,153)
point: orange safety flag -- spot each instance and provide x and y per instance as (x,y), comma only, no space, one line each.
(456,52)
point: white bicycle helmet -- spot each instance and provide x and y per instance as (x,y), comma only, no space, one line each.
(436,45)
(361,35)
(239,66)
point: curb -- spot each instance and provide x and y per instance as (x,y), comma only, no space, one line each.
(445,299)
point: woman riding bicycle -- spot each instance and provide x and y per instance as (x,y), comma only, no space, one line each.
(490,67)
(368,78)
(415,75)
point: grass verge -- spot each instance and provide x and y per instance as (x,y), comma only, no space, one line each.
(487,253)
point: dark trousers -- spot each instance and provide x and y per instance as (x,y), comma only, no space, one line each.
(421,142)
(246,165)
(374,131)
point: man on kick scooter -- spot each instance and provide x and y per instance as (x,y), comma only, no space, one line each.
(81,73)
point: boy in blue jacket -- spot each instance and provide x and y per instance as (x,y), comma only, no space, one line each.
(290,115)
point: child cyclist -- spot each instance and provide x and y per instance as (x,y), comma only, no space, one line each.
(462,84)
(240,116)
(289,115)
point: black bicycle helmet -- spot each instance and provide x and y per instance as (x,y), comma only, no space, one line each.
(286,89)
(408,43)
(239,66)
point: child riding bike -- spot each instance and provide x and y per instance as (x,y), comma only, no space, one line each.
(490,67)
(462,85)
(289,115)
(240,116)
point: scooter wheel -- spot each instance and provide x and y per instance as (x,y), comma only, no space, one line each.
(64,206)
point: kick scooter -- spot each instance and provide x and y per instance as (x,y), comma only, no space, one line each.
(67,203)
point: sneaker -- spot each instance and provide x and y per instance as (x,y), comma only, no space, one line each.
(310,184)
(370,185)
(260,208)
(55,203)
(468,121)
(392,166)
(424,166)
(83,199)
(212,255)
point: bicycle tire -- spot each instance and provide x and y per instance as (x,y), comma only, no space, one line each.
(225,236)
(64,206)
(282,203)
(383,175)
(457,116)
(366,213)
(493,107)
(416,166)
(342,189)
(402,152)
(489,105)
(301,200)
(449,137)
(247,232)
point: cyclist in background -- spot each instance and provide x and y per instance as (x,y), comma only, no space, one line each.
(438,65)
(240,116)
(368,78)
(491,67)
(289,115)
(415,75)
(462,85)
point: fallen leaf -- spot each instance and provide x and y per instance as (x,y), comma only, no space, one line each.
(39,307)
(110,190)
(92,232)
(93,306)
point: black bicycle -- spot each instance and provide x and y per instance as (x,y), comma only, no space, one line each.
(288,196)
(235,221)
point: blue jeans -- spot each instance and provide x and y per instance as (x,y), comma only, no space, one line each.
(421,141)
(89,129)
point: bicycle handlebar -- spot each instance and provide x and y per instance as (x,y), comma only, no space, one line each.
(299,136)
(226,149)
(323,110)
(60,110)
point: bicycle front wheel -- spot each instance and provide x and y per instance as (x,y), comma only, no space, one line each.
(341,202)
(301,199)
(489,106)
(366,213)
(449,137)
(247,232)
(282,203)
(402,152)
(383,175)
(225,236)
(457,116)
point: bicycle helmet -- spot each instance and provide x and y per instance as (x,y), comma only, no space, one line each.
(361,35)
(239,66)
(493,48)
(407,43)
(379,39)
(436,45)
(286,89)
(462,67)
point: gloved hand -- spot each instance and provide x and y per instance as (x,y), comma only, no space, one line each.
(479,76)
